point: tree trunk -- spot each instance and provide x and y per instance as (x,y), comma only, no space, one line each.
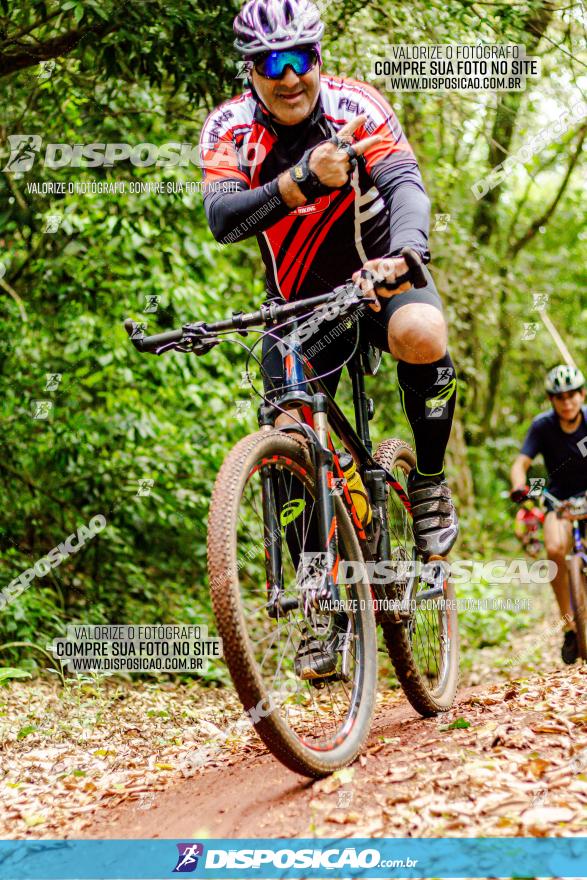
(506,113)
(458,465)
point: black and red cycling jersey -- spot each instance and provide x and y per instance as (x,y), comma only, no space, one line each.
(311,249)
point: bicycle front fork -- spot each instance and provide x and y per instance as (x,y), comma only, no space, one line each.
(323,554)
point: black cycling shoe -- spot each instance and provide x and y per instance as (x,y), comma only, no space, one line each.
(314,659)
(570,648)
(436,525)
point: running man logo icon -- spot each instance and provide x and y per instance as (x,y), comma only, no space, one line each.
(337,485)
(529,331)
(52,223)
(189,854)
(41,409)
(53,381)
(23,150)
(242,71)
(139,329)
(242,407)
(537,484)
(540,301)
(46,69)
(436,408)
(444,375)
(441,222)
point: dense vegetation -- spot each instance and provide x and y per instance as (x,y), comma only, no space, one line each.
(136,72)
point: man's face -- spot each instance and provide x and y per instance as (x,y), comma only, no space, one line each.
(567,404)
(289,99)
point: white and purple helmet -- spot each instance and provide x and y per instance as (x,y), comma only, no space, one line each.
(267,25)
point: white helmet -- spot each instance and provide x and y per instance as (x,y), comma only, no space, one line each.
(268,25)
(564,378)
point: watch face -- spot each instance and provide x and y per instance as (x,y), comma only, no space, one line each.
(299,172)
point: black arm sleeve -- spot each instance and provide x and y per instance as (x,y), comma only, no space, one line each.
(236,212)
(402,190)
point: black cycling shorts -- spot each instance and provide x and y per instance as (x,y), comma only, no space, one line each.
(334,340)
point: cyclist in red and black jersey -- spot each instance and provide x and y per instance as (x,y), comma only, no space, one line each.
(319,169)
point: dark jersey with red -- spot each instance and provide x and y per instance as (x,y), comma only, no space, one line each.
(312,249)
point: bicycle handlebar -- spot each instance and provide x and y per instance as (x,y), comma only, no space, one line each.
(577,505)
(415,272)
(200,337)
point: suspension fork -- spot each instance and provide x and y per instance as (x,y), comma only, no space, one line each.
(277,604)
(326,514)
(271,542)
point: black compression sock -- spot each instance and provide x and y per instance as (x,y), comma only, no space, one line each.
(428,399)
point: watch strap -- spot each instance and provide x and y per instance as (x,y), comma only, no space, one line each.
(307,181)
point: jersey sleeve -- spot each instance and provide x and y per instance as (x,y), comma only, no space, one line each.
(217,151)
(381,120)
(532,445)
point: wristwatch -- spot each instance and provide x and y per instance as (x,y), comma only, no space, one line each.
(308,182)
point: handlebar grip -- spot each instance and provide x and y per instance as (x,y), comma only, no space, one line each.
(150,343)
(415,267)
(519,495)
(415,273)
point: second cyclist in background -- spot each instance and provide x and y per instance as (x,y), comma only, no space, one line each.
(560,436)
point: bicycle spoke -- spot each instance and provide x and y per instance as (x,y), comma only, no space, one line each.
(316,715)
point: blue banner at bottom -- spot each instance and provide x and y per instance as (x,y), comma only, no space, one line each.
(347,858)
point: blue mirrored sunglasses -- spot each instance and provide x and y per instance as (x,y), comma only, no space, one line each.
(272,65)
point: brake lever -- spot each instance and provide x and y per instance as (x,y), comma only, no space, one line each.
(355,294)
(197,339)
(415,274)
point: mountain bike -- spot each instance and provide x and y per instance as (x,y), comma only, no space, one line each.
(527,524)
(292,566)
(575,510)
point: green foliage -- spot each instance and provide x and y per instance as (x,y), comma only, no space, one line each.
(149,73)
(9,673)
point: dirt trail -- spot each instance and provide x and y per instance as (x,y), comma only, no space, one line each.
(517,768)
(115,760)
(254,797)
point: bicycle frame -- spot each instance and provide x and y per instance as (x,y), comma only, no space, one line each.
(304,391)
(579,548)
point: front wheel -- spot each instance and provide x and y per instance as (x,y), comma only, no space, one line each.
(424,648)
(578,586)
(260,528)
